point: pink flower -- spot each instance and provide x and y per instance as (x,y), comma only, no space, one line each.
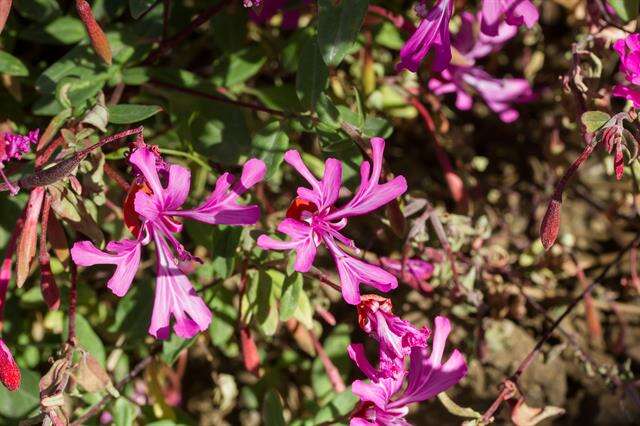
(415,272)
(513,12)
(395,336)
(629,51)
(9,371)
(12,146)
(384,401)
(158,194)
(498,94)
(475,45)
(313,219)
(464,81)
(433,31)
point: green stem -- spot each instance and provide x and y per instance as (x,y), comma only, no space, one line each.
(193,157)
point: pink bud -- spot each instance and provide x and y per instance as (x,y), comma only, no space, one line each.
(249,351)
(9,371)
(96,35)
(5,8)
(48,286)
(551,223)
(618,162)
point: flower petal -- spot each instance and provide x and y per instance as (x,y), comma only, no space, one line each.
(124,254)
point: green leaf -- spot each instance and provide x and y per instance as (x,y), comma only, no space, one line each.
(88,339)
(270,144)
(21,402)
(224,322)
(593,120)
(272,410)
(124,412)
(63,30)
(338,27)
(625,9)
(138,7)
(131,113)
(239,66)
(133,312)
(37,10)
(265,290)
(312,75)
(172,347)
(11,65)
(291,290)
(225,240)
(336,409)
(336,348)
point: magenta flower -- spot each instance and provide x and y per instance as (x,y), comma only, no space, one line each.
(12,147)
(415,272)
(395,336)
(512,12)
(158,194)
(10,375)
(313,219)
(433,31)
(464,81)
(383,401)
(475,45)
(498,94)
(629,51)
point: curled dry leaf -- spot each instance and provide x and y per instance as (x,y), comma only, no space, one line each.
(91,376)
(523,415)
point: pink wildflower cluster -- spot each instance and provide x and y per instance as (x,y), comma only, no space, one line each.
(464,80)
(154,202)
(313,220)
(408,369)
(12,147)
(433,30)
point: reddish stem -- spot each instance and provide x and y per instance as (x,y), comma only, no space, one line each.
(455,184)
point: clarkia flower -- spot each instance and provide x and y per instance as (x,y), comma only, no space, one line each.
(415,272)
(9,371)
(432,32)
(512,12)
(313,219)
(395,336)
(629,51)
(151,208)
(12,147)
(498,93)
(384,400)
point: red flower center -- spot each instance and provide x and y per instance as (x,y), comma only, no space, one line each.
(298,206)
